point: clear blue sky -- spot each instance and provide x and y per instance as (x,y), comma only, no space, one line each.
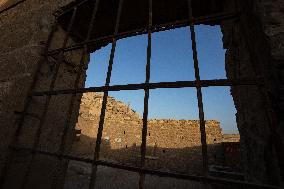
(171,61)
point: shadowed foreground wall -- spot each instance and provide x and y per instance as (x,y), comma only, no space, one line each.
(23,34)
(254,46)
(255,49)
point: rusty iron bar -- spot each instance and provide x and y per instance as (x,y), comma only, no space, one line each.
(70,8)
(47,101)
(154,28)
(104,103)
(32,115)
(12,6)
(197,85)
(176,84)
(70,109)
(199,94)
(10,155)
(146,96)
(82,66)
(197,178)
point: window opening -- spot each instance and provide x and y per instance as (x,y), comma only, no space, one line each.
(197,83)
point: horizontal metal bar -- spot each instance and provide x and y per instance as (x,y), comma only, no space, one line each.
(177,84)
(61,12)
(33,115)
(154,28)
(209,179)
(12,6)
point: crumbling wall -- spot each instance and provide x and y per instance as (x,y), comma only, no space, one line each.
(23,34)
(173,145)
(254,46)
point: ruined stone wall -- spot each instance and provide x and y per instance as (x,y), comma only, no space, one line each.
(254,46)
(172,145)
(23,34)
(231,138)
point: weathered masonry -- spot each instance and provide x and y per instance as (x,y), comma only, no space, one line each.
(44,50)
(171,144)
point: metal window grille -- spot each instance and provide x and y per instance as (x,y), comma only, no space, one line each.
(146,86)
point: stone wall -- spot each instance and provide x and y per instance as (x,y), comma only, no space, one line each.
(254,46)
(23,34)
(171,144)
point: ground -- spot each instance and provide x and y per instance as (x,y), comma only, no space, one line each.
(108,178)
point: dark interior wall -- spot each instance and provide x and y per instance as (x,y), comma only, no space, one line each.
(255,50)
(254,47)
(134,17)
(23,35)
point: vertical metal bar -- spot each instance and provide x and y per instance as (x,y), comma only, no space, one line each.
(47,102)
(146,97)
(199,92)
(73,98)
(104,103)
(66,128)
(10,155)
